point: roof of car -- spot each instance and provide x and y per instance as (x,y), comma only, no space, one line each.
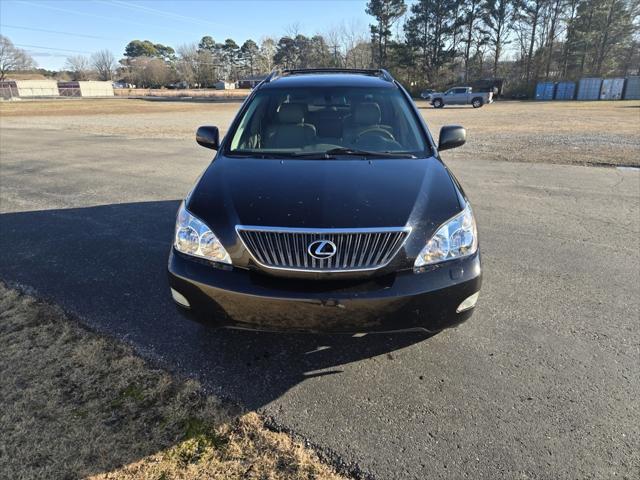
(329,77)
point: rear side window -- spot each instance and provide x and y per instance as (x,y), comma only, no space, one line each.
(308,120)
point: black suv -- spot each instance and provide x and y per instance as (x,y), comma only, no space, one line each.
(327,208)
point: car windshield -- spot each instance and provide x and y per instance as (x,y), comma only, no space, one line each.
(327,122)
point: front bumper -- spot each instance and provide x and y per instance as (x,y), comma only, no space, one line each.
(234,297)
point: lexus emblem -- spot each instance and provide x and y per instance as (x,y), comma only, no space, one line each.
(322,249)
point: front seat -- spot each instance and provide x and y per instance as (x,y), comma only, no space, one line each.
(366,116)
(291,131)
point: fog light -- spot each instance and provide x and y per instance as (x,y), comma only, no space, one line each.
(468,303)
(180,299)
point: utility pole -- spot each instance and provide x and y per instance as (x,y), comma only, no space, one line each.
(335,54)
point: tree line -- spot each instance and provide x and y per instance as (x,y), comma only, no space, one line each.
(202,64)
(429,43)
(440,42)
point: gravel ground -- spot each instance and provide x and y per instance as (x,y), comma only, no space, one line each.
(581,133)
(605,133)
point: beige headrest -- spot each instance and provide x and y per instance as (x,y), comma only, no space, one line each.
(291,113)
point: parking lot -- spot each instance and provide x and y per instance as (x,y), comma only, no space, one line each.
(543,382)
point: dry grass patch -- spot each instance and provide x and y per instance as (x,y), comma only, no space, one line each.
(75,404)
(541,118)
(583,133)
(102,106)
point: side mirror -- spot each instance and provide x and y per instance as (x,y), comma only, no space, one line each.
(451,136)
(208,137)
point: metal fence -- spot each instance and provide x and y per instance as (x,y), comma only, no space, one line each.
(70,91)
(8,92)
(11,92)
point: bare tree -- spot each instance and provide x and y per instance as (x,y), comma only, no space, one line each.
(265,56)
(293,30)
(147,72)
(12,58)
(156,73)
(354,43)
(79,67)
(360,55)
(104,63)
(188,65)
(333,39)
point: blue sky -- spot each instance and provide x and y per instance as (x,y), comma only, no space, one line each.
(51,30)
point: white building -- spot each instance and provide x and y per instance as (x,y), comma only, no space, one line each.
(222,85)
(96,89)
(37,88)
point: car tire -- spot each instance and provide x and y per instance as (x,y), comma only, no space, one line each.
(477,102)
(438,103)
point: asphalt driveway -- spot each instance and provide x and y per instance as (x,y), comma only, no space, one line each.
(543,382)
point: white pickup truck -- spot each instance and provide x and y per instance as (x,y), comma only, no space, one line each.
(461,96)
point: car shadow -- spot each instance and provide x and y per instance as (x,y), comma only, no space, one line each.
(107,266)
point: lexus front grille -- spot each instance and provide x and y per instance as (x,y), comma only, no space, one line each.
(322,250)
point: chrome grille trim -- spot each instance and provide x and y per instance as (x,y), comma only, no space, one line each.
(358,249)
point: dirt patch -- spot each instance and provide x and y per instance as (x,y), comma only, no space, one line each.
(541,117)
(235,94)
(102,106)
(75,404)
(586,133)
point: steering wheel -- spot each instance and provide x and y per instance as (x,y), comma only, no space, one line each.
(378,132)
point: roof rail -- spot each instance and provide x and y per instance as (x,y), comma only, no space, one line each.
(379,72)
(275,73)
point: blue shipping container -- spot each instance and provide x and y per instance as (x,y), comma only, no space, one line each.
(611,89)
(589,89)
(565,91)
(632,89)
(544,90)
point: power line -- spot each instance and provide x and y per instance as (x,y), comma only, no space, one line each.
(33,53)
(162,13)
(52,31)
(102,17)
(50,48)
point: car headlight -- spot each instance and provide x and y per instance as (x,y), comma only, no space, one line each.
(194,238)
(456,238)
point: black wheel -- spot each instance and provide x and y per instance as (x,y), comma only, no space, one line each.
(438,103)
(476,102)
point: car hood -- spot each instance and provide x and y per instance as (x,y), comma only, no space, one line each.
(301,193)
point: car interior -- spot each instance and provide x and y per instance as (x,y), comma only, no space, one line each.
(311,121)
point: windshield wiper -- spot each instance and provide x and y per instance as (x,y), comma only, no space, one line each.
(259,154)
(328,154)
(366,153)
